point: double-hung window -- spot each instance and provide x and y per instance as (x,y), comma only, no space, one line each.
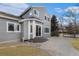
(13,27)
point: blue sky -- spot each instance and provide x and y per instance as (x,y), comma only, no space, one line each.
(55,8)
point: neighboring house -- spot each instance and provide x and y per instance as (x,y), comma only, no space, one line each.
(34,22)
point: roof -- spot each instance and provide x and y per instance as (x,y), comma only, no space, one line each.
(25,12)
(9,16)
(13,17)
(13,11)
(14,8)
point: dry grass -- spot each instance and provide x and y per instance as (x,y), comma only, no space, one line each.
(21,50)
(75,43)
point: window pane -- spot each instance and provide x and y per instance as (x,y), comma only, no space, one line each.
(31,28)
(10,27)
(46,30)
(37,30)
(48,19)
(45,17)
(36,12)
(17,27)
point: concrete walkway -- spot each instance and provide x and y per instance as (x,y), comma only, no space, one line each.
(59,46)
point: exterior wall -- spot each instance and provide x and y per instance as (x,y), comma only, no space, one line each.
(46,24)
(16,36)
(7,36)
(42,14)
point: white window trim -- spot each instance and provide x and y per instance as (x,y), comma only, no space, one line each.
(7,26)
(46,33)
(14,27)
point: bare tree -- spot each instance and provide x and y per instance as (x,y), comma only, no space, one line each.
(72,14)
(61,25)
(70,29)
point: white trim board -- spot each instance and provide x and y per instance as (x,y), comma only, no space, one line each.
(30,19)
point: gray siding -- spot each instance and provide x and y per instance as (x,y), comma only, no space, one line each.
(46,24)
(42,12)
(7,36)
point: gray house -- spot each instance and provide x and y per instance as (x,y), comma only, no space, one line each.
(34,22)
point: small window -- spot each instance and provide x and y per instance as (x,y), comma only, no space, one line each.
(36,12)
(48,19)
(17,27)
(46,30)
(10,27)
(45,17)
(31,28)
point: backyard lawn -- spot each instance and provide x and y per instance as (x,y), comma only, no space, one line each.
(21,50)
(75,43)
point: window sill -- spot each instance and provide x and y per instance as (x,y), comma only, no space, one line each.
(46,33)
(13,31)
